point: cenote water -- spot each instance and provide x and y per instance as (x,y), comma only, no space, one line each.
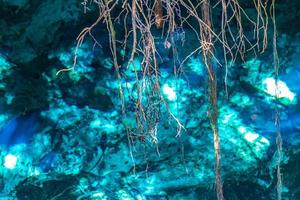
(149,100)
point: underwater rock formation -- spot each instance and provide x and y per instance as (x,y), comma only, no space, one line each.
(68,135)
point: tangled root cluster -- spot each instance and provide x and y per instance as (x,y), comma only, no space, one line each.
(143,19)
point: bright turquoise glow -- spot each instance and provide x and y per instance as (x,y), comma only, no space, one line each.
(3,63)
(195,65)
(281,91)
(246,141)
(169,92)
(135,65)
(10,161)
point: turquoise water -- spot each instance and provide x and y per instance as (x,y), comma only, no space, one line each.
(86,133)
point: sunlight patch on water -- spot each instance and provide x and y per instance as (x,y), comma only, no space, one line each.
(282,92)
(169,92)
(10,161)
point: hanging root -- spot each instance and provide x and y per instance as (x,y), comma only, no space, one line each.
(158,14)
(206,37)
(277,111)
(141,17)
